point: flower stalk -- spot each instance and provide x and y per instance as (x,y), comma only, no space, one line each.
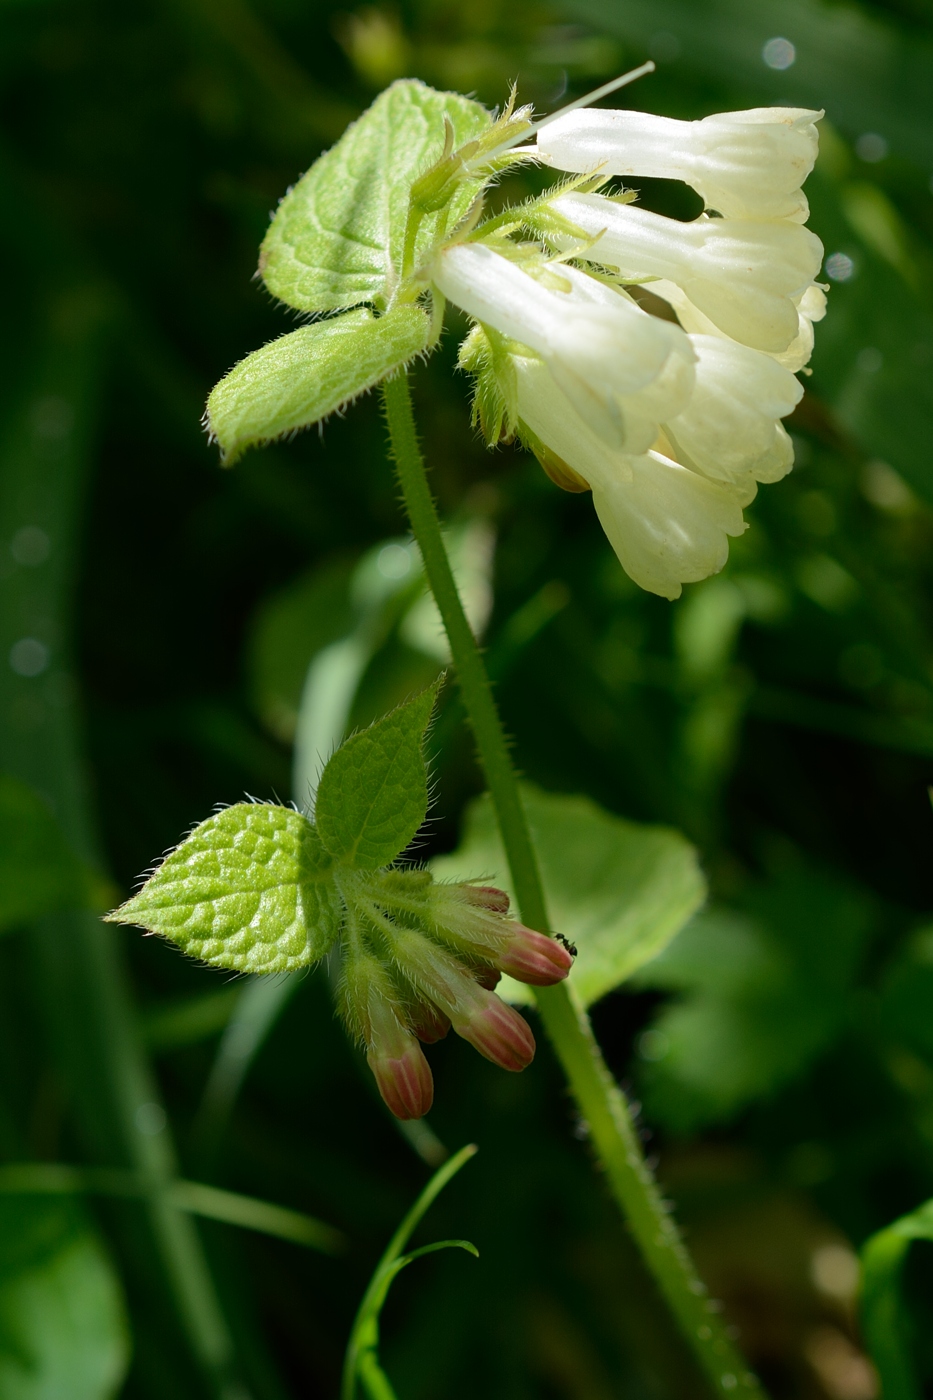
(601,1102)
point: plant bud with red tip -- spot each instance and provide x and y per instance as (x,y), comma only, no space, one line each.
(534,957)
(477,1015)
(373,1010)
(428,1024)
(486,896)
(403,1076)
(496,1031)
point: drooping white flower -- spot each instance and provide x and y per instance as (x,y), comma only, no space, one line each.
(730,429)
(667,524)
(811,307)
(604,351)
(745,165)
(741,273)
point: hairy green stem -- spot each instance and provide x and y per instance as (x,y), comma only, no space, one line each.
(600,1100)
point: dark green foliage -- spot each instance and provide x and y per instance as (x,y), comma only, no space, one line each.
(781,715)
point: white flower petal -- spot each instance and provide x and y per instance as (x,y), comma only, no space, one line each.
(729,429)
(667,525)
(811,306)
(743,274)
(601,348)
(744,164)
(544,408)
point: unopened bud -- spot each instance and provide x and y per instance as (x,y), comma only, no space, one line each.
(486,897)
(404,1077)
(534,957)
(496,1031)
(428,1023)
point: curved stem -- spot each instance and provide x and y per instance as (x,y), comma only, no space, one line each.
(601,1102)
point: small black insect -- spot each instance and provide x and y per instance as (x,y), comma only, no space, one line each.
(571,947)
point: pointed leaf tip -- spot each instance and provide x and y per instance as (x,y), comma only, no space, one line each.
(373,793)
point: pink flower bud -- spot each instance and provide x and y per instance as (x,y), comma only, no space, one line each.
(496,1031)
(428,1023)
(534,957)
(404,1078)
(486,897)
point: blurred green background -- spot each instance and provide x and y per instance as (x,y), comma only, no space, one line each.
(158,617)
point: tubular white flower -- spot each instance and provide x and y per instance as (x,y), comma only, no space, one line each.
(742,273)
(729,431)
(811,306)
(746,165)
(602,349)
(667,524)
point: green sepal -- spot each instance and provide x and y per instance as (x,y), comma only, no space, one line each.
(337,238)
(495,394)
(302,377)
(250,889)
(373,793)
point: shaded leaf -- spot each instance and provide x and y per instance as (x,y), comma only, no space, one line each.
(764,990)
(619,890)
(249,889)
(373,793)
(62,1324)
(39,872)
(884,1317)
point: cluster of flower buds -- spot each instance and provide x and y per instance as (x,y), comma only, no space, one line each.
(418,959)
(642,358)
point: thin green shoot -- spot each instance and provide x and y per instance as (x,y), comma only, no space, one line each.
(362,1359)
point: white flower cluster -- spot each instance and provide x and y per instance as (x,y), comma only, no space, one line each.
(670,425)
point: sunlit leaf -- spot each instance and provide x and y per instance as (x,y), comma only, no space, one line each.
(248,889)
(336,240)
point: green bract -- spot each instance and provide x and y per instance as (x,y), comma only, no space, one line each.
(302,377)
(373,794)
(255,888)
(337,238)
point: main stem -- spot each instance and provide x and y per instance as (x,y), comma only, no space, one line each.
(601,1102)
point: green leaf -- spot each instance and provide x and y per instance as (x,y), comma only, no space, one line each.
(302,377)
(39,872)
(336,240)
(373,793)
(249,889)
(619,890)
(288,629)
(763,991)
(885,1324)
(62,1325)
